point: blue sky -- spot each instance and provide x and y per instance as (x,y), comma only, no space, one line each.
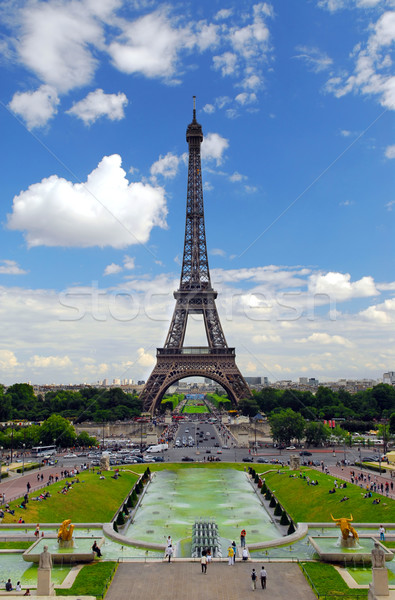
(296,101)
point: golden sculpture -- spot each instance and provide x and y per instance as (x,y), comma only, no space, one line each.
(346,529)
(65,532)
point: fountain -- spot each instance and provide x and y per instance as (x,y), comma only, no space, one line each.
(65,550)
(348,547)
(65,534)
(349,536)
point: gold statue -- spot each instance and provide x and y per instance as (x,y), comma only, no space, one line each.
(346,529)
(65,532)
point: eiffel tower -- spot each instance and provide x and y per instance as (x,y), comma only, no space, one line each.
(195,295)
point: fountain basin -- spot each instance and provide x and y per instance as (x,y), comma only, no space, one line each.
(329,549)
(80,552)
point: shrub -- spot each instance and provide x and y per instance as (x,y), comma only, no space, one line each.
(125,509)
(284,518)
(273,502)
(291,528)
(120,518)
(263,488)
(256,478)
(371,467)
(268,494)
(115,526)
(278,511)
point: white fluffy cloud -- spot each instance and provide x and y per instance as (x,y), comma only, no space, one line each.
(150,45)
(338,286)
(56,39)
(325,339)
(245,98)
(94,325)
(8,360)
(390,152)
(144,358)
(98,104)
(213,147)
(112,269)
(167,166)
(10,267)
(45,362)
(381,313)
(373,72)
(35,108)
(106,210)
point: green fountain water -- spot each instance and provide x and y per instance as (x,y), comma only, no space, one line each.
(175,499)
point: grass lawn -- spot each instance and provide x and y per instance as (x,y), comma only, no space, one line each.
(92,580)
(93,500)
(195,409)
(15,545)
(328,582)
(307,503)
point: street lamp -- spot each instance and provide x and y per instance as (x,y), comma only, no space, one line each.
(23,459)
(1,459)
(39,457)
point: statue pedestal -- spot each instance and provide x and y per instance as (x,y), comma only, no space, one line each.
(44,585)
(380,582)
(66,543)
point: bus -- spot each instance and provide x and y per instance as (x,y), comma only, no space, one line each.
(43,451)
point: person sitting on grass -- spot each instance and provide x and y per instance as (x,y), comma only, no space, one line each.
(344,498)
(376,501)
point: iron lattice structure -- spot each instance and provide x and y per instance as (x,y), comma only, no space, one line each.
(194,296)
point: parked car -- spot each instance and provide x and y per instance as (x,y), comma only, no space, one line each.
(247,459)
(262,460)
(71,455)
(187,459)
(290,448)
(305,453)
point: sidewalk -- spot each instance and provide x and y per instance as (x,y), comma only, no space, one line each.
(164,581)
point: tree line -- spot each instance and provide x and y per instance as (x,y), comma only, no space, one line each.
(88,404)
(373,404)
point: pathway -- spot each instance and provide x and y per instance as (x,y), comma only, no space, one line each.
(153,581)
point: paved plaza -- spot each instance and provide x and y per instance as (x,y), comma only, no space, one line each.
(184,580)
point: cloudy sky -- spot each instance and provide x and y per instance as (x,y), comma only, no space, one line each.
(296,101)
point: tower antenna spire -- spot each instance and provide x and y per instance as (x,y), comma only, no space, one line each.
(194,108)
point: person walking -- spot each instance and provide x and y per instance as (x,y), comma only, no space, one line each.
(234,551)
(230,555)
(263,576)
(169,552)
(253,579)
(203,562)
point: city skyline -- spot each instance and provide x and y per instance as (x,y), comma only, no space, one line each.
(297,108)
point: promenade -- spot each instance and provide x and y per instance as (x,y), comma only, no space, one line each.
(164,581)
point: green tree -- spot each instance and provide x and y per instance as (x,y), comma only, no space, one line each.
(84,439)
(316,433)
(385,435)
(392,423)
(248,407)
(286,425)
(59,429)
